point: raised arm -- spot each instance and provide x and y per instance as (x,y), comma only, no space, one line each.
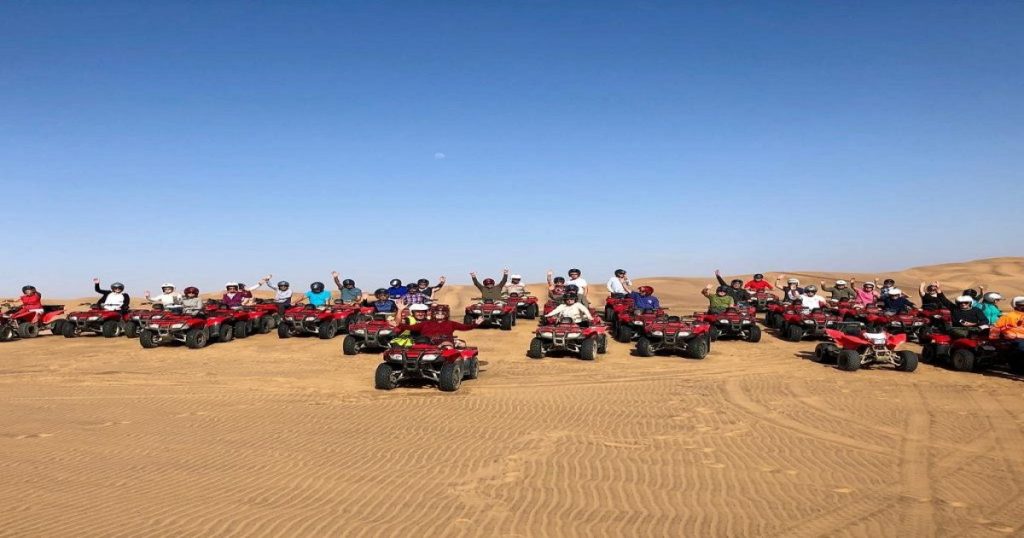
(476,282)
(504,278)
(718,276)
(706,291)
(440,283)
(337,279)
(551,282)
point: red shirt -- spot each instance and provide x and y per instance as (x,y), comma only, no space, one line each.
(32,302)
(434,329)
(758,285)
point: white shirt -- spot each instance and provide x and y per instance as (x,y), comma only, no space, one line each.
(166,299)
(579,283)
(576,311)
(812,301)
(114,301)
(615,285)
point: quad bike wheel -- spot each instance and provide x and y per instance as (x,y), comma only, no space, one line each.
(963,360)
(264,325)
(819,352)
(284,331)
(907,362)
(472,369)
(849,360)
(130,329)
(110,328)
(195,338)
(698,348)
(588,349)
(794,333)
(326,330)
(6,333)
(1017,363)
(28,330)
(602,344)
(644,348)
(450,377)
(624,334)
(226,333)
(468,319)
(506,322)
(350,346)
(714,334)
(536,350)
(58,327)
(753,334)
(928,353)
(241,329)
(147,338)
(383,378)
(69,330)
(609,314)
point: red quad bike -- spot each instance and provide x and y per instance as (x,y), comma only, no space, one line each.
(495,313)
(16,322)
(136,320)
(368,335)
(526,305)
(774,316)
(323,322)
(235,323)
(269,308)
(851,352)
(762,300)
(96,320)
(616,304)
(629,324)
(567,337)
(194,332)
(941,319)
(444,366)
(672,334)
(733,324)
(909,323)
(802,323)
(973,350)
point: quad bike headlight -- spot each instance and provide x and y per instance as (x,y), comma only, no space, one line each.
(638,322)
(385,331)
(396,356)
(359,331)
(157,317)
(657,333)
(878,341)
(809,321)
(918,323)
(546,335)
(897,324)
(154,326)
(723,321)
(746,322)
(684,333)
(178,326)
(73,318)
(310,318)
(429,357)
(476,311)
(574,335)
(93,318)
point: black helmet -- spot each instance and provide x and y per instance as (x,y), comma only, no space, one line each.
(723,289)
(758,276)
(283,284)
(889,282)
(559,280)
(572,288)
(971,293)
(24,289)
(423,281)
(395,282)
(117,285)
(380,291)
(348,282)
(317,287)
(811,289)
(575,270)
(570,295)
(736,281)
(620,272)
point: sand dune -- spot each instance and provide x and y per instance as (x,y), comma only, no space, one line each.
(274,437)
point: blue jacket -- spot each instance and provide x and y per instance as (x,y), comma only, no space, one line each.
(649,302)
(898,304)
(990,310)
(397,292)
(386,306)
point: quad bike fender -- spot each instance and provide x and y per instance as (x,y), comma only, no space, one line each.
(846,341)
(700,329)
(896,340)
(940,339)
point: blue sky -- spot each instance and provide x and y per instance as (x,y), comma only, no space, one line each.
(212,141)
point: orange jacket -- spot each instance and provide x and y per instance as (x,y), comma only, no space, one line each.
(1011,325)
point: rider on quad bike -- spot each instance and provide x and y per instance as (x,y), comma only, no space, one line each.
(758,283)
(283,296)
(397,290)
(974,294)
(619,284)
(644,299)
(489,291)
(791,291)
(1011,324)
(887,285)
(867,294)
(32,301)
(317,295)
(965,316)
(811,300)
(720,301)
(990,307)
(382,303)
(191,304)
(167,298)
(113,299)
(932,297)
(417,314)
(841,290)
(350,294)
(894,302)
(247,298)
(415,296)
(515,285)
(556,287)
(571,308)
(735,288)
(424,287)
(440,328)
(232,297)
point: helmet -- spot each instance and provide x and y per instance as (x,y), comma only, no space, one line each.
(488,282)
(889,282)
(423,281)
(1017,302)
(620,272)
(283,284)
(440,311)
(575,270)
(117,285)
(722,289)
(758,276)
(895,292)
(736,281)
(811,289)
(572,288)
(515,277)
(840,282)
(379,292)
(992,297)
(419,308)
(241,285)
(570,295)
(965,299)
(932,287)
(316,287)
(167,285)
(230,284)
(971,293)
(191,290)
(348,282)
(24,289)
(559,280)
(395,282)
(869,284)
(793,281)
(646,290)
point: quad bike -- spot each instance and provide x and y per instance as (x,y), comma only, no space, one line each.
(852,351)
(323,322)
(739,324)
(774,317)
(526,306)
(909,323)
(241,321)
(446,366)
(369,335)
(629,324)
(761,300)
(495,313)
(269,307)
(615,304)
(568,337)
(973,349)
(941,319)
(672,334)
(803,323)
(96,320)
(17,322)
(193,331)
(136,320)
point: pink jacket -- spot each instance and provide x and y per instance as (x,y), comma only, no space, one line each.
(866,297)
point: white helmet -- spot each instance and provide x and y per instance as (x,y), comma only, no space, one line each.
(840,282)
(1018,300)
(516,277)
(229,284)
(419,308)
(895,291)
(992,297)
(793,281)
(965,299)
(166,285)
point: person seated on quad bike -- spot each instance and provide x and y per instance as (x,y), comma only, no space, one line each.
(247,298)
(350,294)
(424,287)
(318,296)
(811,300)
(989,306)
(887,285)
(1011,324)
(167,298)
(572,308)
(515,285)
(576,279)
(619,285)
(736,290)
(974,294)
(414,296)
(554,284)
(489,291)
(32,301)
(644,299)
(191,304)
(283,296)
(966,316)
(758,283)
(792,291)
(417,314)
(867,295)
(720,301)
(397,290)
(232,297)
(841,290)
(382,304)
(439,328)
(932,297)
(894,302)
(113,299)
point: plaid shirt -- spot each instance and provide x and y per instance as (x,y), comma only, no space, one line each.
(414,297)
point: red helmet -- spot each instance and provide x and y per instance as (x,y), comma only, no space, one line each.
(191,290)
(488,282)
(646,290)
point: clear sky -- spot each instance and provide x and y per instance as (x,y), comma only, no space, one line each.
(201,142)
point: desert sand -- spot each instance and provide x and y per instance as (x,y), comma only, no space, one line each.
(269,437)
